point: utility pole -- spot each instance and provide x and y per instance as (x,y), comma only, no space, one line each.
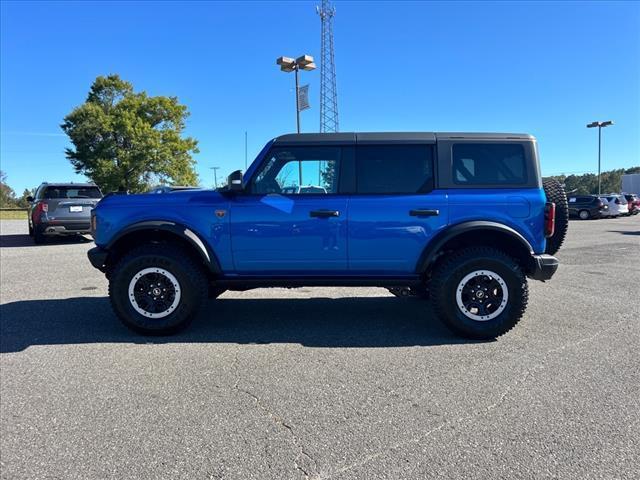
(600,126)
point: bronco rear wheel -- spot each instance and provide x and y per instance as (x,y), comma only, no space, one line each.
(555,193)
(157,289)
(479,292)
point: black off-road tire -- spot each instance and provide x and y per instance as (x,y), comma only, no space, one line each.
(555,193)
(190,276)
(452,270)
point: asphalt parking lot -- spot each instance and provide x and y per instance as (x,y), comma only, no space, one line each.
(323,383)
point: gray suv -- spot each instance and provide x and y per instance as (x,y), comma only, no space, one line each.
(60,209)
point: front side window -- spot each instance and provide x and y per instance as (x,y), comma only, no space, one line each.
(299,171)
(489,164)
(388,169)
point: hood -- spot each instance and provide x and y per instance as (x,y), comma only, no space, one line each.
(155,200)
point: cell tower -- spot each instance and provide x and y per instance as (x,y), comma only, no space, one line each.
(328,92)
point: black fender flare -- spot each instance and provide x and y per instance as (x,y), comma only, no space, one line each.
(431,251)
(185,233)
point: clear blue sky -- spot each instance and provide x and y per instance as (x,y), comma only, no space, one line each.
(542,68)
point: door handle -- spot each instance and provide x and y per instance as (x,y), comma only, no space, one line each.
(424,213)
(324,213)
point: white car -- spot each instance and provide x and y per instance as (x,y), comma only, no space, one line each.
(618,205)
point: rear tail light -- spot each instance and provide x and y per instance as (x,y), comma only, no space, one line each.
(549,219)
(41,207)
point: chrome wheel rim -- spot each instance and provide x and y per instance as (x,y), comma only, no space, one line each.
(154,292)
(482,295)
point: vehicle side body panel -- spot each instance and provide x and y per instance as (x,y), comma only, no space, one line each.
(206,213)
(519,209)
(387,233)
(279,234)
(376,235)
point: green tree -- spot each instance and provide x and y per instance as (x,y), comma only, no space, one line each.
(22,201)
(124,139)
(610,181)
(7,195)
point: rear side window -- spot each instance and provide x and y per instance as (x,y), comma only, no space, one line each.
(489,164)
(61,192)
(389,169)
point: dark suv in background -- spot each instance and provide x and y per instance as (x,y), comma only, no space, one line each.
(585,207)
(59,209)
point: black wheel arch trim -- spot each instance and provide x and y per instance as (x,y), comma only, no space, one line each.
(182,231)
(429,254)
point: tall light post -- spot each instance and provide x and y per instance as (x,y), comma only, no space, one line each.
(287,64)
(215,176)
(600,126)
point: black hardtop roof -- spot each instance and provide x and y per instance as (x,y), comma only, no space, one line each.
(394,137)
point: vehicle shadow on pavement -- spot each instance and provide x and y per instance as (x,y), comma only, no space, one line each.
(24,240)
(626,232)
(315,322)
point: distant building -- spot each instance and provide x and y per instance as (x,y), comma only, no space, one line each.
(631,183)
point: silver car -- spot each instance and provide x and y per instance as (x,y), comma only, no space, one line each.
(59,209)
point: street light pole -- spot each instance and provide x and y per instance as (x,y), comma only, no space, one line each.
(599,155)
(215,177)
(600,126)
(297,99)
(305,62)
(287,64)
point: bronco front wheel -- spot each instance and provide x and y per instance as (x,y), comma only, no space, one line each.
(157,289)
(479,292)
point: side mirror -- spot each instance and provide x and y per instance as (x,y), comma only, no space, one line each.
(234,181)
(30,199)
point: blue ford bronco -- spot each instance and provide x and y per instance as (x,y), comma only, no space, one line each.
(461,219)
